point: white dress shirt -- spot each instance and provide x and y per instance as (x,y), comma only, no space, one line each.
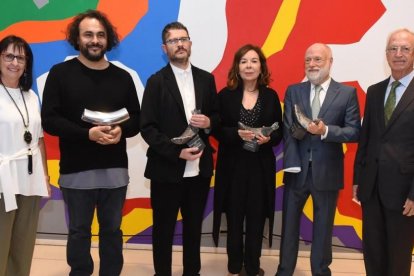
(186,85)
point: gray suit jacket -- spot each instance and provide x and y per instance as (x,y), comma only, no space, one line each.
(340,112)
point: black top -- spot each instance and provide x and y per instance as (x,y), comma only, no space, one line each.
(70,88)
(250,117)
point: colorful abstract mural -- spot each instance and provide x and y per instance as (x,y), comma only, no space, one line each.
(356,31)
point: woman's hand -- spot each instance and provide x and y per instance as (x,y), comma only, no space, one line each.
(246,135)
(48,186)
(262,139)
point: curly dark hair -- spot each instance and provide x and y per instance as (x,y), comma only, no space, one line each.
(233,78)
(172,26)
(26,80)
(72,34)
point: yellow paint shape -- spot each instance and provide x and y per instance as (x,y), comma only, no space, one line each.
(279,179)
(53,170)
(339,218)
(282,27)
(344,147)
(133,223)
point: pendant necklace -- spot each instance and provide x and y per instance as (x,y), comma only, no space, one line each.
(27,136)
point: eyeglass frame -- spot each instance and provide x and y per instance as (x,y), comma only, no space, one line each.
(317,60)
(403,49)
(21,59)
(175,41)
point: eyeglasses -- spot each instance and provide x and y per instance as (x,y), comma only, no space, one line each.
(403,49)
(317,60)
(10,57)
(174,41)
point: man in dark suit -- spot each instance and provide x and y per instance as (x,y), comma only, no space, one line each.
(180,175)
(313,164)
(384,165)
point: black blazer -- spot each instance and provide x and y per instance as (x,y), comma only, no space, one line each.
(385,155)
(163,117)
(230,149)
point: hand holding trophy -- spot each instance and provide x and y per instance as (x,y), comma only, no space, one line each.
(105,118)
(253,145)
(106,130)
(190,136)
(300,126)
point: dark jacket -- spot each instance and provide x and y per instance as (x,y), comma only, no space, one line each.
(385,155)
(230,149)
(163,117)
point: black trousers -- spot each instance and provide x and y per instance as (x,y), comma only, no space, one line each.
(81,205)
(387,239)
(246,205)
(189,196)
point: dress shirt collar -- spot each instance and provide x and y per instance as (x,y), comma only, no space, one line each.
(405,81)
(325,85)
(180,71)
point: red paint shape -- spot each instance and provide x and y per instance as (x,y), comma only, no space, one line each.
(136,203)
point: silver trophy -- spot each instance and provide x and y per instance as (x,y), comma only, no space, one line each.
(253,145)
(190,136)
(105,118)
(299,126)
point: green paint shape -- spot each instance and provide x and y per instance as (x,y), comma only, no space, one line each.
(14,11)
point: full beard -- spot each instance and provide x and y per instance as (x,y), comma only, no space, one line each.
(93,56)
(181,59)
(317,77)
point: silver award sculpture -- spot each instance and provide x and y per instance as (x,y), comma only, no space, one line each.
(105,118)
(190,136)
(252,145)
(300,126)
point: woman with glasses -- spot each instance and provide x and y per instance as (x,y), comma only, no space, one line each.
(245,170)
(23,169)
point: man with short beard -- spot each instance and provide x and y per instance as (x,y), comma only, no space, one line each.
(180,175)
(313,163)
(93,158)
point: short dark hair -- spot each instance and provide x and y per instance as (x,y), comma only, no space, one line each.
(233,78)
(72,34)
(26,80)
(172,26)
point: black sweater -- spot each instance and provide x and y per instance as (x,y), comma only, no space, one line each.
(70,88)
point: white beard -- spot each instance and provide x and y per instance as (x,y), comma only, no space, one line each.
(318,77)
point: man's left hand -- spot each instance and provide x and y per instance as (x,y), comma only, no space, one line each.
(261,139)
(408,208)
(200,121)
(115,132)
(318,128)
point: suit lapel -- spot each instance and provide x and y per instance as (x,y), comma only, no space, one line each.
(381,100)
(172,85)
(198,88)
(406,99)
(331,94)
(236,105)
(305,99)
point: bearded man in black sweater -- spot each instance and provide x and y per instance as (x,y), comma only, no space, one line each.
(93,163)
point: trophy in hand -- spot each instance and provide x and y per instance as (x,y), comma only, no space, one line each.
(299,128)
(252,145)
(105,118)
(190,136)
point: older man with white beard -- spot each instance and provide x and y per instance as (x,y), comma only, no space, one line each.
(313,162)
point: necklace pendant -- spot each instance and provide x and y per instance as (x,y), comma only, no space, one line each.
(30,161)
(27,136)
